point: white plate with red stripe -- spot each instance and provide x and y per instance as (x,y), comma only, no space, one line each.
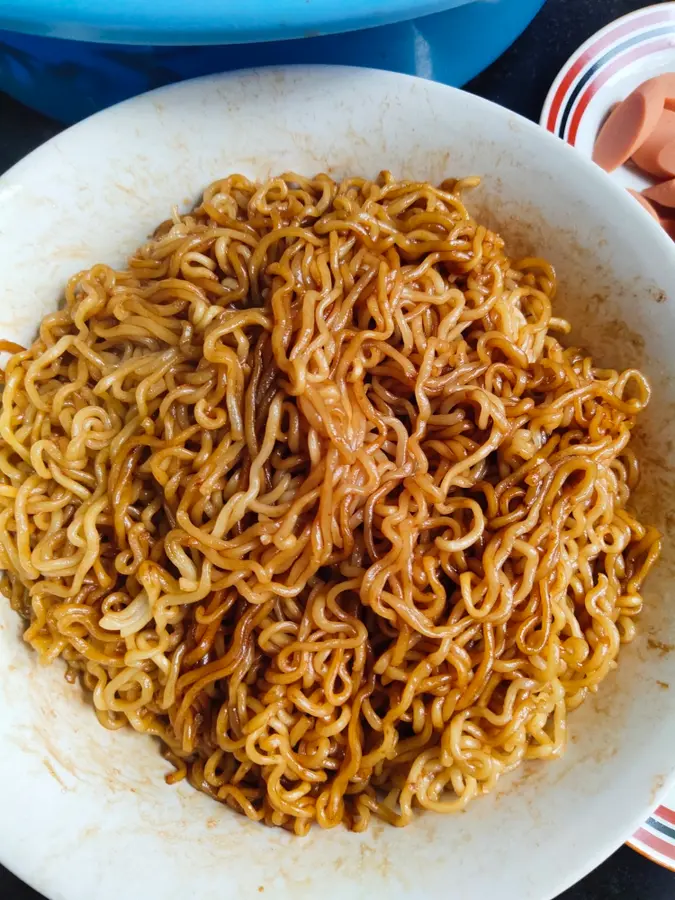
(602,72)
(656,838)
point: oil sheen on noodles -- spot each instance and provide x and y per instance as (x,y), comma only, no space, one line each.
(313,493)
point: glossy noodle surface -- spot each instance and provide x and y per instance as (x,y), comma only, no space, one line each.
(318,492)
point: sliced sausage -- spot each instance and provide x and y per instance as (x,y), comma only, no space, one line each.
(667,84)
(666,158)
(629,124)
(669,227)
(648,156)
(663,193)
(644,203)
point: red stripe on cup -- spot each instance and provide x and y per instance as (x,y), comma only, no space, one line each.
(650,856)
(668,815)
(605,74)
(654,843)
(651,17)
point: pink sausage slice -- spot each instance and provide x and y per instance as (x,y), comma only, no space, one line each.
(663,193)
(669,227)
(666,158)
(629,125)
(648,156)
(644,203)
(667,85)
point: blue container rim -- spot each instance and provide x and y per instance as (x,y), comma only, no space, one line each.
(192,22)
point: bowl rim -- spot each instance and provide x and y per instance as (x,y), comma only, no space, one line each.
(575,161)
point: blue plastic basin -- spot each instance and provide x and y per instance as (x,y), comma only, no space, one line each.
(162,22)
(70,79)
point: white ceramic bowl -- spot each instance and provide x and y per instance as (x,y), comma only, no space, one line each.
(85,813)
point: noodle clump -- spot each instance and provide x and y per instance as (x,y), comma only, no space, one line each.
(312,492)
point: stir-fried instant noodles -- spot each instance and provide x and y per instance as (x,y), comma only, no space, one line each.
(313,493)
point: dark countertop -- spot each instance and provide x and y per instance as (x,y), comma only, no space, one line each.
(519,80)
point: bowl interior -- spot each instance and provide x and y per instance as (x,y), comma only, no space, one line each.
(82,806)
